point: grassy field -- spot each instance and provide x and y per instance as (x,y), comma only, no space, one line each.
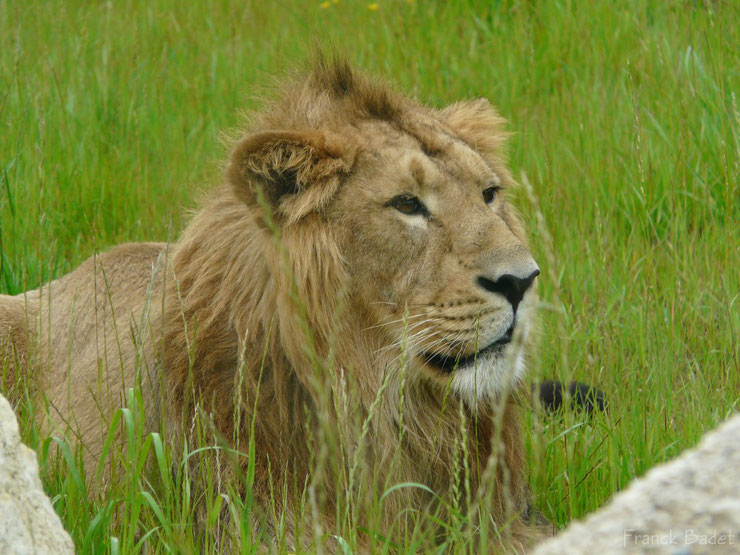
(627,135)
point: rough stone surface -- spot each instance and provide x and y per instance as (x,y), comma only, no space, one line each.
(690,505)
(28,523)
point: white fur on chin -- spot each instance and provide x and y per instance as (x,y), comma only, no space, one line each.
(485,379)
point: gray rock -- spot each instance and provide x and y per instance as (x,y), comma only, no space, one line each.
(28,523)
(690,505)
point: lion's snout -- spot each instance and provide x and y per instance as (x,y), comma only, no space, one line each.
(512,287)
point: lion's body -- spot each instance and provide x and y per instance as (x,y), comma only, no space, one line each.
(341,322)
(78,339)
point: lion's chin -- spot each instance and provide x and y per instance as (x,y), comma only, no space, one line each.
(490,375)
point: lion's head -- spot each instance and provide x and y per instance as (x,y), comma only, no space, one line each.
(404,206)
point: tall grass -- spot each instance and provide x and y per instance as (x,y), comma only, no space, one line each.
(627,138)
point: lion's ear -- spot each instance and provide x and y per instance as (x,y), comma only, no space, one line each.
(478,124)
(296,171)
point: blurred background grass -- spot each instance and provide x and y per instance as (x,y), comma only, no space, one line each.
(627,128)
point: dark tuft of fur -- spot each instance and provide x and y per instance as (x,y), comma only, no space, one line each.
(337,76)
(333,94)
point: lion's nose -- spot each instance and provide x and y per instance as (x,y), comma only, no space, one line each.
(510,286)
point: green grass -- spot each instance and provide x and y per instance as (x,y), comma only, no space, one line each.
(627,130)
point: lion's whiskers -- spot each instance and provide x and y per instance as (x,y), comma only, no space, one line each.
(391,322)
(410,341)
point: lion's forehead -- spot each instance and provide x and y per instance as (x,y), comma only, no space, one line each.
(399,159)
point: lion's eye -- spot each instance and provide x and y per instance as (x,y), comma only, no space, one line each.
(490,194)
(408,205)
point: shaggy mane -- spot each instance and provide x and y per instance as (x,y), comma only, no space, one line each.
(257,324)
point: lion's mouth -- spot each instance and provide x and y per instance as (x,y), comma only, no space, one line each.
(448,363)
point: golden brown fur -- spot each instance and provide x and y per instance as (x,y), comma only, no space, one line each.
(300,287)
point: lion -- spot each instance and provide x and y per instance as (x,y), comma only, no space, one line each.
(358,292)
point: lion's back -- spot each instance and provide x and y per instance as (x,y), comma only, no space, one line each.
(94,336)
